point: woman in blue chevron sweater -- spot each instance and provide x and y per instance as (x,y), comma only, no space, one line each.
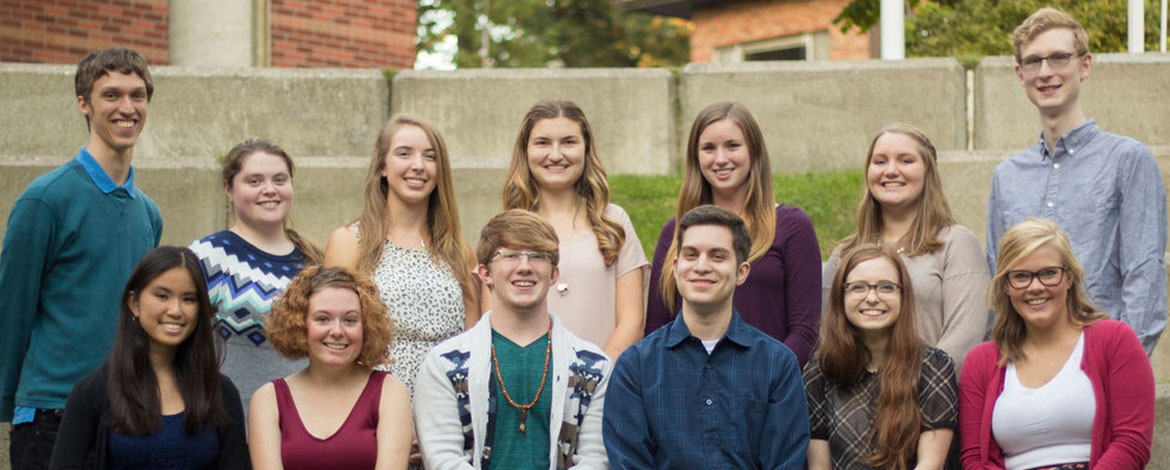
(248,264)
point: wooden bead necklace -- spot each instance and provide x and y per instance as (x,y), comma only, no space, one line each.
(543,377)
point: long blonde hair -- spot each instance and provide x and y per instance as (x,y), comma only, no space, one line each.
(446,240)
(760,203)
(1020,241)
(522,192)
(932,215)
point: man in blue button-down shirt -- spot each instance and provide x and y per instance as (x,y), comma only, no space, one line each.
(1104,190)
(707,390)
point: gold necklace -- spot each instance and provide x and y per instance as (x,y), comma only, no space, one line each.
(543,377)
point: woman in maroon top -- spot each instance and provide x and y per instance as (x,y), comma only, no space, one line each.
(338,412)
(727,165)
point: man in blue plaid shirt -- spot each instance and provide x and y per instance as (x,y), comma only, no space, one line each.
(707,390)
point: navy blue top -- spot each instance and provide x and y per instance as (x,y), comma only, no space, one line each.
(168,448)
(671,405)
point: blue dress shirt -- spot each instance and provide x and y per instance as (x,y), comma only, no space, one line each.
(1106,192)
(670,404)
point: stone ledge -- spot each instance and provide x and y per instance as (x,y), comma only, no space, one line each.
(819,116)
(479,112)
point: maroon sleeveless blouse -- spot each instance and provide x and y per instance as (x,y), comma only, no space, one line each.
(353,446)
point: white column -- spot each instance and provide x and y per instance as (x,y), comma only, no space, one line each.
(893,32)
(1162,41)
(1137,27)
(214,33)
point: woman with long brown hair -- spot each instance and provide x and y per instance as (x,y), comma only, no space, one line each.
(903,206)
(1060,386)
(727,165)
(408,241)
(158,400)
(877,397)
(557,174)
(250,263)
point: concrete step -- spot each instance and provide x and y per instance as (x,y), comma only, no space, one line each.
(1126,93)
(820,115)
(204,111)
(480,111)
(328,193)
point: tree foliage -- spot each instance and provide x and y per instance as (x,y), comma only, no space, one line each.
(540,33)
(971,29)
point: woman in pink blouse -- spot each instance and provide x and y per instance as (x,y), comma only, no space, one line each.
(556,173)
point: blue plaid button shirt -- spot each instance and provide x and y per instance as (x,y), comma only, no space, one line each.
(670,404)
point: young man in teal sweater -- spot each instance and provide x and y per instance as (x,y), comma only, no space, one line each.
(72,240)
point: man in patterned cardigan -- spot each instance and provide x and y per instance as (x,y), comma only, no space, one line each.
(517,390)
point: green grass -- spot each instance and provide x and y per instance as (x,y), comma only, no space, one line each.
(829,198)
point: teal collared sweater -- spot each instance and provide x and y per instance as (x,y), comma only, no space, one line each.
(68,250)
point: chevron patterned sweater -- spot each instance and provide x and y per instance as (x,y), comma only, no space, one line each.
(243,281)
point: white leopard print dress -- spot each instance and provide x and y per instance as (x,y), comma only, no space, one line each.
(425,302)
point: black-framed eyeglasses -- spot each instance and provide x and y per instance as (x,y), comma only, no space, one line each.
(1056,61)
(1050,276)
(513,257)
(884,288)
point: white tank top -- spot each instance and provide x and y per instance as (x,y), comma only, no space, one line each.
(1049,425)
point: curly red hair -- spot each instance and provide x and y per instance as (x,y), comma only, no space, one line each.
(286,323)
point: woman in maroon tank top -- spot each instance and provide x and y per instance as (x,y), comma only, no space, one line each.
(339,412)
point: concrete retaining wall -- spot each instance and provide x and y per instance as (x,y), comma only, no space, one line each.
(203,112)
(187,192)
(1127,94)
(328,194)
(479,112)
(966,178)
(820,115)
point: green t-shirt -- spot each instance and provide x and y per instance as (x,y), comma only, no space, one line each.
(520,367)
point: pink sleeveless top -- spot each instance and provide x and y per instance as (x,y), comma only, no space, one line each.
(353,446)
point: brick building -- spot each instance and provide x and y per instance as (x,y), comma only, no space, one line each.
(277,33)
(744,30)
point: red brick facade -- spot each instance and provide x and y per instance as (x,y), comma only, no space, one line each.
(304,33)
(737,22)
(343,33)
(63,31)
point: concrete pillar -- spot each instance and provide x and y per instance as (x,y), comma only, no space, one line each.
(215,33)
(893,21)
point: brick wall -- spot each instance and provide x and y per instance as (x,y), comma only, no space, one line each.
(63,31)
(342,33)
(304,33)
(745,21)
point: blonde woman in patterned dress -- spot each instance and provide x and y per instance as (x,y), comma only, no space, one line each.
(408,241)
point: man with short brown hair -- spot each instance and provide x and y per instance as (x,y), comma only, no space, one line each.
(517,390)
(72,240)
(1103,189)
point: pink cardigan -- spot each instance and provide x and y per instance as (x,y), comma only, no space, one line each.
(1123,386)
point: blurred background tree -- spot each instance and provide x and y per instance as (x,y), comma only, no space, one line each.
(971,29)
(542,33)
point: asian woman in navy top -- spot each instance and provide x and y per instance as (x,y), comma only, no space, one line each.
(158,401)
